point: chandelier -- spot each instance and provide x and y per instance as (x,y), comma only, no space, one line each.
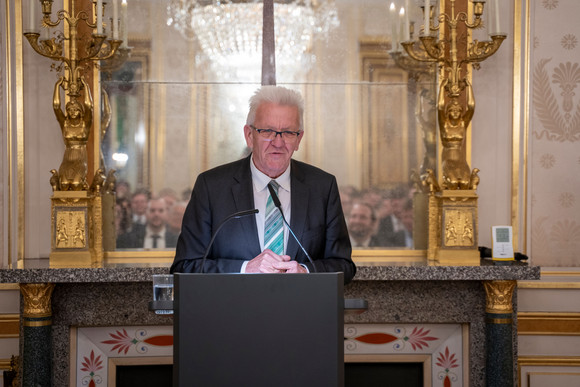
(230,32)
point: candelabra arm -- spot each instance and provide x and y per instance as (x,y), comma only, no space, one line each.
(462,16)
(414,67)
(433,48)
(417,53)
(479,51)
(108,50)
(94,47)
(47,48)
(46,22)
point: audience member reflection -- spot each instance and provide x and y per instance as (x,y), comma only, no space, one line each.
(362,225)
(154,234)
(139,202)
(379,217)
(175,217)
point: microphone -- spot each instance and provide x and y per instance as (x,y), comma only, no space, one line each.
(235,215)
(278,205)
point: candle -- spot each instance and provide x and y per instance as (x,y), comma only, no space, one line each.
(486,22)
(31,15)
(124,24)
(99,17)
(407,36)
(405,24)
(401,28)
(427,16)
(497,27)
(115,24)
(393,20)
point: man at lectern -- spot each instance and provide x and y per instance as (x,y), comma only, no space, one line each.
(307,199)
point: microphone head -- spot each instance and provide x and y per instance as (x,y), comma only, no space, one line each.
(274,196)
(245,213)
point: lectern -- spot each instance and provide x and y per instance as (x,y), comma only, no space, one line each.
(258,330)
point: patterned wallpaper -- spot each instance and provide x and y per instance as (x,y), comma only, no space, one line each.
(554,156)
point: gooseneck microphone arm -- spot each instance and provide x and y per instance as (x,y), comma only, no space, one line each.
(236,215)
(278,205)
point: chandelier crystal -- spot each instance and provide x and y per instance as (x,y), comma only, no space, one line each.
(230,32)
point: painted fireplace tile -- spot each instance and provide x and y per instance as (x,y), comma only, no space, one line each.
(96,345)
(443,342)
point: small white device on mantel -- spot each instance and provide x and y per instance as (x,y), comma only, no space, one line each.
(502,243)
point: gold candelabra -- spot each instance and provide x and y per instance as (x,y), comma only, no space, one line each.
(76,119)
(454,113)
(78,209)
(453,202)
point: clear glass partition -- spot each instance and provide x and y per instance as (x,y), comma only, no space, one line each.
(177,107)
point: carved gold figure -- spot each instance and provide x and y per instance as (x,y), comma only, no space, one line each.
(75,123)
(61,234)
(453,123)
(70,230)
(79,237)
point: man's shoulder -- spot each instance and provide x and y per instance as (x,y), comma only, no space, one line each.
(309,171)
(221,174)
(225,169)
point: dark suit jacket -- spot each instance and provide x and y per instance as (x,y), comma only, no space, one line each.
(317,220)
(135,238)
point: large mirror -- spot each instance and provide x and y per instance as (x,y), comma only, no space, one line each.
(176,104)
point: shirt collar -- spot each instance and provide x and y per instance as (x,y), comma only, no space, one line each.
(261,180)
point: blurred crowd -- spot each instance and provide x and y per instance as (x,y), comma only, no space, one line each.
(375,217)
(379,217)
(144,220)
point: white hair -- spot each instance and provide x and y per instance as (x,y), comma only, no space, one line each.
(278,95)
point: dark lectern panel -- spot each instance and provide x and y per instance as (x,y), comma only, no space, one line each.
(259,330)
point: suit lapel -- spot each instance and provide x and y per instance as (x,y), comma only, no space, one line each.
(299,206)
(243,194)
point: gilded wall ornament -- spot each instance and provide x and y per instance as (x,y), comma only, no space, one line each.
(37,299)
(499,296)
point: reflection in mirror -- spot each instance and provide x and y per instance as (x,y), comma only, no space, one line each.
(369,117)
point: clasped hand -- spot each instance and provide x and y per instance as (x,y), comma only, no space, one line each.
(270,262)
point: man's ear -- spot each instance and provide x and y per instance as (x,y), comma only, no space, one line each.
(248,135)
(297,145)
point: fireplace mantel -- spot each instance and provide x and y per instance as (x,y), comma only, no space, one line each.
(396,294)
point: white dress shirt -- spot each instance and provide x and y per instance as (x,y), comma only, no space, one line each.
(148,241)
(260,183)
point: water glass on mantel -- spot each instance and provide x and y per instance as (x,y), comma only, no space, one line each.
(163,290)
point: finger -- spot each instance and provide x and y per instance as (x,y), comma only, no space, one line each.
(291,266)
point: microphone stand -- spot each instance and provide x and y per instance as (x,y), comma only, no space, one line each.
(278,205)
(236,215)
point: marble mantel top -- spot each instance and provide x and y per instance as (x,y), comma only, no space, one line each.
(487,271)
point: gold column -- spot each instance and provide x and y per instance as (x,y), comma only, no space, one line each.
(37,334)
(499,336)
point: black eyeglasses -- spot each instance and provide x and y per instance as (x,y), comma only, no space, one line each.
(270,134)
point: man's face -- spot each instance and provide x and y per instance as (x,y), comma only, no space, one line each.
(175,217)
(407,219)
(397,205)
(139,204)
(360,221)
(273,157)
(156,214)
